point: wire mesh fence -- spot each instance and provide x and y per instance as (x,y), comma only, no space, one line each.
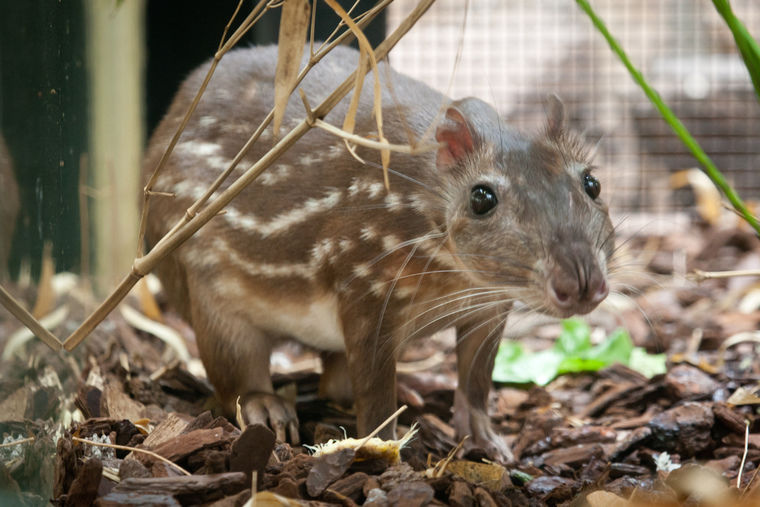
(515,52)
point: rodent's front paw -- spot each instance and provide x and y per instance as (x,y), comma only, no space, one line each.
(477,425)
(271,410)
(493,444)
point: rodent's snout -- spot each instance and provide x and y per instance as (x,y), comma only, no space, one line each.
(575,284)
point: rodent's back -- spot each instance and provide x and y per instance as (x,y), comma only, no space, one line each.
(316,213)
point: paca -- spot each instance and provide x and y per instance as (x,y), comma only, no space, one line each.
(318,250)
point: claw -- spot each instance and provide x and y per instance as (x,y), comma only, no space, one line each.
(273,411)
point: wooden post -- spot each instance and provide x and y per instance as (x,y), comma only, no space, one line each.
(115,58)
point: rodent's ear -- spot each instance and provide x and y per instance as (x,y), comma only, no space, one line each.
(455,134)
(555,116)
(466,125)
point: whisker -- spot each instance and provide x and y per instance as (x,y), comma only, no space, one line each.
(386,253)
(465,312)
(393,286)
(425,268)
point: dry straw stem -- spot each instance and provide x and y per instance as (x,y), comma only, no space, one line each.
(28,320)
(383,424)
(145,264)
(369,143)
(744,455)
(366,55)
(294,21)
(699,275)
(17,442)
(133,449)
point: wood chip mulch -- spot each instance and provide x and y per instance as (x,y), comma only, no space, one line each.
(613,437)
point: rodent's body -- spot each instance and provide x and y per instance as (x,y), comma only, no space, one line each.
(316,249)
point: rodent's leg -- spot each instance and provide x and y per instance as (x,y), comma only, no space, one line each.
(372,368)
(476,350)
(335,381)
(237,362)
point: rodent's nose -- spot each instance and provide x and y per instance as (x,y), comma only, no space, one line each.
(577,290)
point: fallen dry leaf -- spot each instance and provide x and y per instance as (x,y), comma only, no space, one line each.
(743,397)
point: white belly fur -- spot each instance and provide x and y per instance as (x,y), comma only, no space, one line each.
(315,324)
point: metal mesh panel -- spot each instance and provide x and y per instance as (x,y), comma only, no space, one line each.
(515,52)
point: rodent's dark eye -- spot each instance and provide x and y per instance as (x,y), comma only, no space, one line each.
(482,199)
(591,185)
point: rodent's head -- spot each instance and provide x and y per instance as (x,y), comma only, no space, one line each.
(524,214)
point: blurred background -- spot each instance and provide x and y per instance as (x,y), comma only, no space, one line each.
(84,82)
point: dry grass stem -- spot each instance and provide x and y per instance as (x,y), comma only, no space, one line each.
(340,25)
(383,424)
(294,21)
(161,194)
(28,320)
(366,57)
(744,455)
(133,449)
(699,275)
(17,442)
(440,467)
(309,113)
(377,145)
(229,24)
(18,338)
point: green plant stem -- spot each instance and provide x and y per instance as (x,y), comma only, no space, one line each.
(709,167)
(747,45)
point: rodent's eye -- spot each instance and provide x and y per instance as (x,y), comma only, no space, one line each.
(591,185)
(482,199)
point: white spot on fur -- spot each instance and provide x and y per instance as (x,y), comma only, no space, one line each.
(230,286)
(417,202)
(291,217)
(404,292)
(201,257)
(322,251)
(378,288)
(353,188)
(207,121)
(310,159)
(275,174)
(198,149)
(393,202)
(191,190)
(336,151)
(367,233)
(390,242)
(375,189)
(345,245)
(362,270)
(279,224)
(372,188)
